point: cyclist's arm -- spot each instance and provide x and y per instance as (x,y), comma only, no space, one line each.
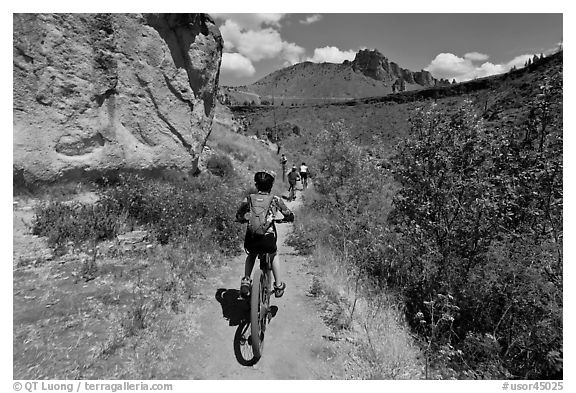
(242,210)
(287,213)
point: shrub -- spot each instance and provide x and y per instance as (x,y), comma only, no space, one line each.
(62,223)
(201,210)
(478,217)
(472,239)
(221,166)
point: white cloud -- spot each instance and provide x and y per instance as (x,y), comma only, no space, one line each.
(519,61)
(237,65)
(254,44)
(311,19)
(449,66)
(251,21)
(331,54)
(258,44)
(292,53)
(476,56)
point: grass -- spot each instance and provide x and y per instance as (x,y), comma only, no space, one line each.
(380,346)
(124,323)
(247,152)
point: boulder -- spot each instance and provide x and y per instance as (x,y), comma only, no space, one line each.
(98,93)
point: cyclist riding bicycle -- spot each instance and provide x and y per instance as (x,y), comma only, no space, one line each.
(293,177)
(304,175)
(283,161)
(262,204)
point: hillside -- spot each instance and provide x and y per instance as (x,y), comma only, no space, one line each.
(369,74)
(501,98)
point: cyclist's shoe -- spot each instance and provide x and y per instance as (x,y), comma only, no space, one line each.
(279,289)
(245,286)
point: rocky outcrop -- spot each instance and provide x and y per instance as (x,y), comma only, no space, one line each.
(374,65)
(95,93)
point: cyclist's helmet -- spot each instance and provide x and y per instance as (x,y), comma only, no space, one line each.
(264,179)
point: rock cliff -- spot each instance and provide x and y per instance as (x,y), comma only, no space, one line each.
(374,65)
(94,93)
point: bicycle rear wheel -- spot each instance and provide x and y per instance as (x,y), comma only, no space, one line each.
(259,301)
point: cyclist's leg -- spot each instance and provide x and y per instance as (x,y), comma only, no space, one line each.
(249,264)
(246,281)
(276,267)
(279,285)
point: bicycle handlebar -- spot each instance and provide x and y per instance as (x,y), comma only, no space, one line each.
(276,220)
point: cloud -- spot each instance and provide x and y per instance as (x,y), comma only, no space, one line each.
(331,54)
(449,66)
(251,21)
(258,44)
(292,53)
(476,56)
(519,61)
(311,19)
(237,65)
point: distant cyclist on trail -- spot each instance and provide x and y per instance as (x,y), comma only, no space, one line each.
(293,177)
(261,236)
(283,161)
(304,175)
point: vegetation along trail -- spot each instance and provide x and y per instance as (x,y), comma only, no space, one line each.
(295,346)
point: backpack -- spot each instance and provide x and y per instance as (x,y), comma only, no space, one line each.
(293,177)
(260,214)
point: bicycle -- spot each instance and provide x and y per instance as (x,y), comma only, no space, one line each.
(292,192)
(249,336)
(304,182)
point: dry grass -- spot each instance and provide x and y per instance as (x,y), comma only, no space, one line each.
(381,346)
(249,153)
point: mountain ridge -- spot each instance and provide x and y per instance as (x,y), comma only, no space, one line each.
(369,74)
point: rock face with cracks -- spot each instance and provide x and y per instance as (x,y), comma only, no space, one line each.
(98,93)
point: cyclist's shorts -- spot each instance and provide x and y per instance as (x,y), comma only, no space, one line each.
(304,175)
(256,244)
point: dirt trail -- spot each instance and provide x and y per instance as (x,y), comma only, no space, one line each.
(295,347)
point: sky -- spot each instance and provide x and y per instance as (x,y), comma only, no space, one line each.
(458,46)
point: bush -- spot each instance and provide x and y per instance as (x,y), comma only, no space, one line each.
(221,166)
(202,208)
(62,223)
(201,211)
(479,217)
(472,238)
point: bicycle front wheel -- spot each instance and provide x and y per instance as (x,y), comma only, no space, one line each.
(259,300)
(243,345)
